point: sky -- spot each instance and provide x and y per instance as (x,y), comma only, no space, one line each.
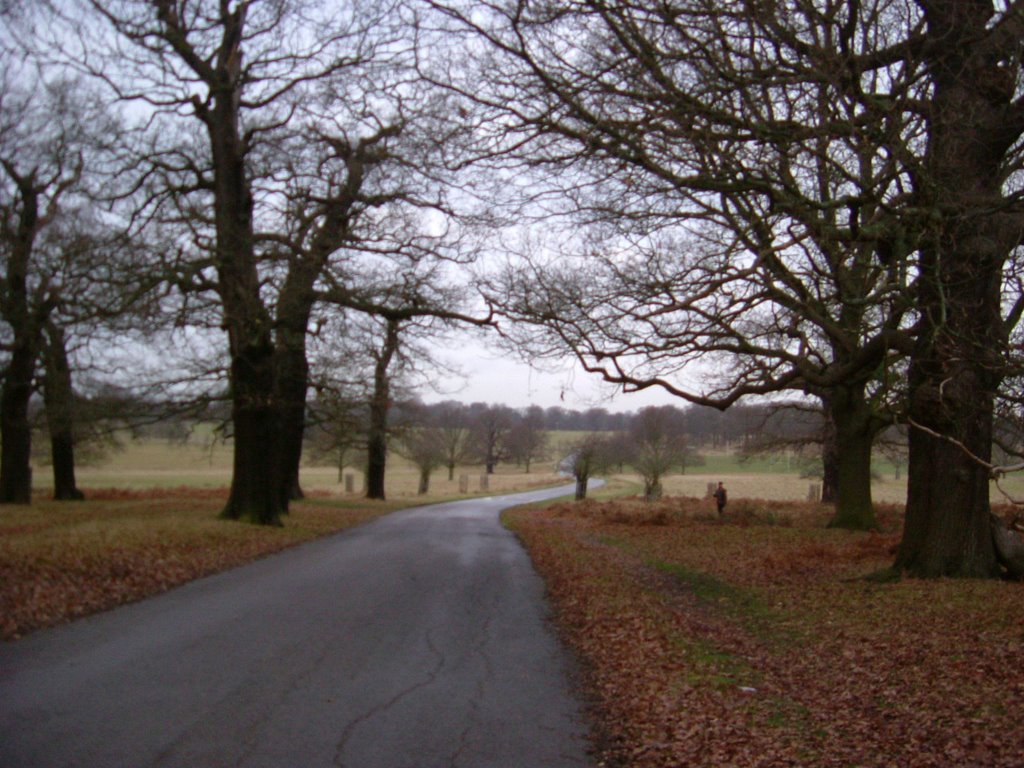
(495,376)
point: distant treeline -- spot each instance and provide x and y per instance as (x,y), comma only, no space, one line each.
(739,426)
(705,427)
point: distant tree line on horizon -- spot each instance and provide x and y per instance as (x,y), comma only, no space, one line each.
(451,433)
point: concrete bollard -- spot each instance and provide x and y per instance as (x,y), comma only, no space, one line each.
(814,492)
(350,483)
(463,483)
(485,482)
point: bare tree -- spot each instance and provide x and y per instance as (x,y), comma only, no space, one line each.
(820,169)
(421,442)
(658,445)
(454,435)
(269,146)
(215,85)
(969,183)
(59,397)
(383,349)
(380,404)
(46,140)
(401,320)
(337,423)
(734,231)
(322,222)
(589,456)
(492,425)
(527,440)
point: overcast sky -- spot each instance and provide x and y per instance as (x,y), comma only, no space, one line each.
(494,376)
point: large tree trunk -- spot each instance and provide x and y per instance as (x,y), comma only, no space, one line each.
(377,450)
(15,429)
(854,428)
(581,487)
(292,384)
(380,403)
(829,459)
(255,483)
(58,396)
(256,473)
(25,323)
(956,365)
(295,306)
(947,529)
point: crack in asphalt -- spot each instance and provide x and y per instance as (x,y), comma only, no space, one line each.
(480,650)
(247,689)
(463,743)
(346,734)
(310,668)
(277,691)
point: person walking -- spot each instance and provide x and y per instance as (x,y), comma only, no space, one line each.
(720,498)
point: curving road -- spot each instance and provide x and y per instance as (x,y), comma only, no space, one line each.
(417,641)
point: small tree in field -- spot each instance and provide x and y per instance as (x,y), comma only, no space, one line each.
(491,427)
(337,421)
(454,435)
(527,440)
(589,456)
(659,444)
(422,445)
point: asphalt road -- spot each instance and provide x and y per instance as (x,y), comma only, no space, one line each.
(416,641)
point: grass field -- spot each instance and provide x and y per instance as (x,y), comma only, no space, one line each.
(147,464)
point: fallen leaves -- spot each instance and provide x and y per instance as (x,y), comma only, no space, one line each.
(753,640)
(59,561)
